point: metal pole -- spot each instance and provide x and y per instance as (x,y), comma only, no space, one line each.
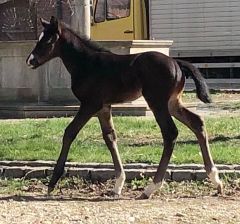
(86,19)
(81,20)
(59,9)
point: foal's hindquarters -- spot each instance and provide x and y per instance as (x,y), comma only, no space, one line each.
(163,95)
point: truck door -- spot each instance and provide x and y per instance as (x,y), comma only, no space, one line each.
(113,20)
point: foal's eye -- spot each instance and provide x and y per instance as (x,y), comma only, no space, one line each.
(49,41)
(48,44)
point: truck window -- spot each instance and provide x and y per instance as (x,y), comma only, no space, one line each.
(111,9)
(100,11)
(117,9)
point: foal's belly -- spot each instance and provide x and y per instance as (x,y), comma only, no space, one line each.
(124,96)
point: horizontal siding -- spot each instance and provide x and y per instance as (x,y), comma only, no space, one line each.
(196,24)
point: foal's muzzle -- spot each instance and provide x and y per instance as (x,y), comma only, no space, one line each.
(32,62)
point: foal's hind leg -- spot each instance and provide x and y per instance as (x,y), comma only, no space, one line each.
(169,133)
(109,135)
(196,124)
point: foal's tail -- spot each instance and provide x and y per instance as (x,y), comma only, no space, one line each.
(201,86)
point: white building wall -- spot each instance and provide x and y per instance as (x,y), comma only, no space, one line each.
(203,26)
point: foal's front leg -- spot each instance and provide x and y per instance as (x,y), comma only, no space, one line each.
(84,114)
(109,135)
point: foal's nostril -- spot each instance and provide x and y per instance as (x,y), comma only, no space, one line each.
(32,61)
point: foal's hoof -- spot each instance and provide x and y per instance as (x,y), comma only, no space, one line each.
(220,189)
(50,190)
(112,194)
(142,197)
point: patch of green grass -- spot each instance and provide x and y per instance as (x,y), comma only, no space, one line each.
(231,106)
(8,186)
(139,140)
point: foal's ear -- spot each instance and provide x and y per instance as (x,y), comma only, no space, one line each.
(54,23)
(44,22)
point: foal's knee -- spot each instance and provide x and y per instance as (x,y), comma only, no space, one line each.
(174,134)
(171,135)
(197,123)
(109,135)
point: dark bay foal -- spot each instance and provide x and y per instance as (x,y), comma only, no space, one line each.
(101,78)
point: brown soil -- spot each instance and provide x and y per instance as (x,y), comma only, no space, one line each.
(39,209)
(175,203)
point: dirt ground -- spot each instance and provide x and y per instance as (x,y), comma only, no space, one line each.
(77,202)
(39,209)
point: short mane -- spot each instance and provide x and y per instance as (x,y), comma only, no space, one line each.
(76,39)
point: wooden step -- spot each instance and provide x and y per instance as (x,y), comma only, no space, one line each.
(47,111)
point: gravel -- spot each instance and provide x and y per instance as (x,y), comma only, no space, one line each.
(76,201)
(39,209)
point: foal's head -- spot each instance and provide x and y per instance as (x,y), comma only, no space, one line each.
(47,45)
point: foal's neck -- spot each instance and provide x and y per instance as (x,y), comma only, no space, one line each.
(76,52)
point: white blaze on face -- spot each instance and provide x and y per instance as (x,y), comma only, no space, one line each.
(41,36)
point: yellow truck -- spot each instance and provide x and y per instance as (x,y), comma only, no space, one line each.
(197,28)
(119,20)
